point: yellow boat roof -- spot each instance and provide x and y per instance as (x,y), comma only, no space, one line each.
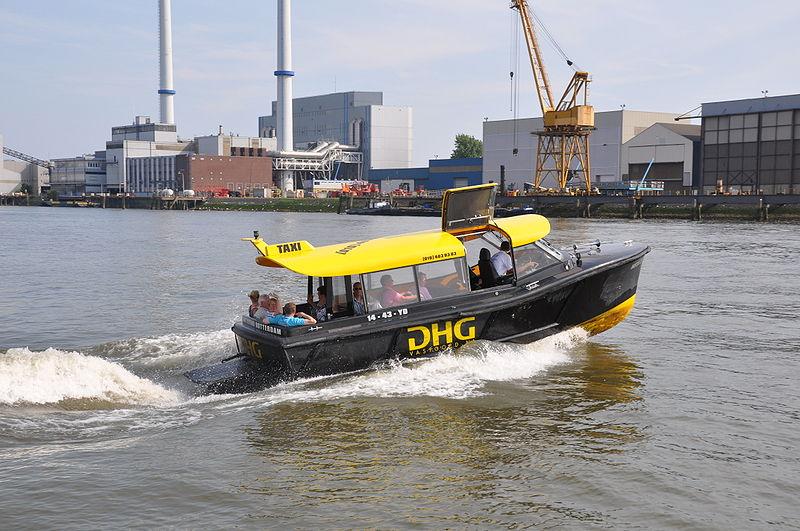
(524,229)
(365,256)
(391,252)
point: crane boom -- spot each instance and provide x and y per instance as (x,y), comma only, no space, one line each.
(543,90)
(563,144)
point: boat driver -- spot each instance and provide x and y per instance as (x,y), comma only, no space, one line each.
(291,317)
(501,260)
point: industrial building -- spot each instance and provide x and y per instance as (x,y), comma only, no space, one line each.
(143,138)
(234,146)
(79,175)
(752,145)
(204,174)
(512,143)
(440,174)
(10,180)
(19,175)
(382,133)
(674,151)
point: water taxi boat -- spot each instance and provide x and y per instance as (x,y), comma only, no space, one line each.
(431,291)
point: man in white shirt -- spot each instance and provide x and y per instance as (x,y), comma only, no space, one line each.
(501,260)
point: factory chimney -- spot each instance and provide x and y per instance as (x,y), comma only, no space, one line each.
(166,91)
(284,74)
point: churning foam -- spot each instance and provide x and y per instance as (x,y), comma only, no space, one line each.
(459,374)
(52,376)
(173,350)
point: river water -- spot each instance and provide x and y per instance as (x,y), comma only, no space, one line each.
(684,416)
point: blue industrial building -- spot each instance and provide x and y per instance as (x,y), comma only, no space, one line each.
(440,174)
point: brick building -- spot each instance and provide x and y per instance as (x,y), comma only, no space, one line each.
(205,174)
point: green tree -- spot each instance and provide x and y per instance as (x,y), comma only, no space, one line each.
(467,146)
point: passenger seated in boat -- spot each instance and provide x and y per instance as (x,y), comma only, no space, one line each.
(359,304)
(501,260)
(319,308)
(486,277)
(424,294)
(254,295)
(268,306)
(291,317)
(390,296)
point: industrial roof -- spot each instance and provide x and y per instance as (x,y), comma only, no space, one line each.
(690,131)
(752,105)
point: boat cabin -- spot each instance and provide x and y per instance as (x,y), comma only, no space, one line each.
(386,278)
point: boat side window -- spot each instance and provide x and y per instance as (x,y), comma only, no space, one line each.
(488,242)
(394,287)
(442,279)
(531,257)
(340,302)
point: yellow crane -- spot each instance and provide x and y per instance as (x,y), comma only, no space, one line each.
(563,148)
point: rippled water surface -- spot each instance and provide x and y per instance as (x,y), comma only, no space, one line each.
(684,416)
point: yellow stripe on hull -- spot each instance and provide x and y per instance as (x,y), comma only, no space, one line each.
(610,318)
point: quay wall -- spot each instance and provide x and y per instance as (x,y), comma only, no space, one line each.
(698,208)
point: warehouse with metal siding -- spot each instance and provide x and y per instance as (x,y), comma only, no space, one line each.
(613,129)
(440,174)
(752,145)
(673,148)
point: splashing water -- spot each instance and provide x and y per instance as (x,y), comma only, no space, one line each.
(457,375)
(113,399)
(54,376)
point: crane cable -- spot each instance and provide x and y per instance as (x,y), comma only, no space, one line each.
(514,58)
(554,43)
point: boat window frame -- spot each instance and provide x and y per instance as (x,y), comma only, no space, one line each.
(464,271)
(501,235)
(552,249)
(558,261)
(366,297)
(348,287)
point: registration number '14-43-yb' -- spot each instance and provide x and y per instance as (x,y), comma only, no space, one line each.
(387,314)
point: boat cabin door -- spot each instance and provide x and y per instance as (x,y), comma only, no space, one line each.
(468,209)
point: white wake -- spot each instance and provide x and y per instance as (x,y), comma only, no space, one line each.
(457,375)
(54,376)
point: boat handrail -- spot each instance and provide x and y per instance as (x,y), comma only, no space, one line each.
(278,330)
(594,244)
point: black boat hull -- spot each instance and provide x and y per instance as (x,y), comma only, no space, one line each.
(596,294)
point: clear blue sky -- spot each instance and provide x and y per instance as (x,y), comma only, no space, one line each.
(73,69)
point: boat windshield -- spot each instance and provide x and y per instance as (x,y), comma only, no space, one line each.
(533,257)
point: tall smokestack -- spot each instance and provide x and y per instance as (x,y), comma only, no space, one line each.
(284,74)
(166,91)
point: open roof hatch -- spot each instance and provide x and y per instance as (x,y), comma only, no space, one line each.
(469,208)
